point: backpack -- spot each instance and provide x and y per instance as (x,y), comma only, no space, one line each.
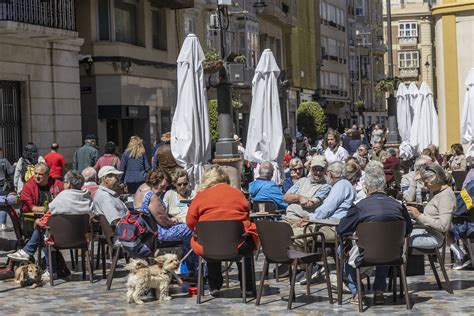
(27,170)
(137,231)
(464,201)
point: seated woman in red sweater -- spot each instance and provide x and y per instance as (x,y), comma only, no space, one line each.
(217,200)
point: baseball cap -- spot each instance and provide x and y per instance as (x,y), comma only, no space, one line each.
(287,157)
(319,160)
(106,170)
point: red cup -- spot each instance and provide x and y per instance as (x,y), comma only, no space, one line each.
(192,291)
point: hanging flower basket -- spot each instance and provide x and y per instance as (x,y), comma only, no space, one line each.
(212,66)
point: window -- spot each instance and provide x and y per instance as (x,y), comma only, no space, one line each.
(407,29)
(126,21)
(408,59)
(159,29)
(360,7)
(104,20)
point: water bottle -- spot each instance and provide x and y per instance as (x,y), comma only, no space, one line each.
(419,196)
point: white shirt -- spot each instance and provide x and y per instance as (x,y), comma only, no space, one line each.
(340,155)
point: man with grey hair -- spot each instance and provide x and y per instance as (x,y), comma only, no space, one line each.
(87,155)
(377,207)
(263,189)
(412,180)
(90,181)
(362,155)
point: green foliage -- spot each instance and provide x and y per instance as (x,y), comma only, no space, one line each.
(359,103)
(311,119)
(213,119)
(212,55)
(240,59)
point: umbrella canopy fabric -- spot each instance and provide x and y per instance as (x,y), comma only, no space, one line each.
(412,93)
(404,117)
(190,135)
(265,141)
(467,124)
(424,130)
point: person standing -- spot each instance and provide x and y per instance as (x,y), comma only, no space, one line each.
(56,162)
(24,169)
(134,164)
(109,158)
(163,157)
(87,155)
(334,150)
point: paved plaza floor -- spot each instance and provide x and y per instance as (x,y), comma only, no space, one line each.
(77,296)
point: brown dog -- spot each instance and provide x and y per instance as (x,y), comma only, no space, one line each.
(28,275)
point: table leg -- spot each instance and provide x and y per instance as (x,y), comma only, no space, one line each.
(339,271)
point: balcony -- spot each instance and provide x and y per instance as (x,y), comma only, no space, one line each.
(408,72)
(407,41)
(281,12)
(174,4)
(56,14)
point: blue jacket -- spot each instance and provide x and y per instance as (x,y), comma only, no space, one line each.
(134,169)
(267,190)
(337,202)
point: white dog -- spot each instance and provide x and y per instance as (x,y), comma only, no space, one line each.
(157,276)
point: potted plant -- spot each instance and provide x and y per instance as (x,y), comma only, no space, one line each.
(387,85)
(213,61)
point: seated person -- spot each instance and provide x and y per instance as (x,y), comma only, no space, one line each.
(412,180)
(217,200)
(308,192)
(437,213)
(182,192)
(107,201)
(6,199)
(264,189)
(336,204)
(39,190)
(362,155)
(296,172)
(147,200)
(391,165)
(376,207)
(90,178)
(73,200)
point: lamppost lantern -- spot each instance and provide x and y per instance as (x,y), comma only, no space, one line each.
(260,5)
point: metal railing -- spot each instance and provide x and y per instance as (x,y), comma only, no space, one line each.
(59,14)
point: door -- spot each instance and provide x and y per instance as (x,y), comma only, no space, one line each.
(10,119)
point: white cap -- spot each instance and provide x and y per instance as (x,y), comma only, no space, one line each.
(106,170)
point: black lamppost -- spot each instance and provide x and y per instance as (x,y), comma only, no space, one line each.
(392,136)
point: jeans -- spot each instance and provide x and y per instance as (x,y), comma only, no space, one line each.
(379,283)
(182,233)
(3,217)
(32,245)
(422,238)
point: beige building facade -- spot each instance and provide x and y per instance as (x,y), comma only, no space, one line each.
(39,78)
(454,26)
(413,41)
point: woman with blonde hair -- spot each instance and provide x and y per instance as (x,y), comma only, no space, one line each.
(134,164)
(296,173)
(217,200)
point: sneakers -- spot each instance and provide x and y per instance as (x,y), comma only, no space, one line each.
(379,298)
(5,228)
(45,277)
(20,255)
(215,293)
(333,279)
(460,264)
(317,271)
(355,300)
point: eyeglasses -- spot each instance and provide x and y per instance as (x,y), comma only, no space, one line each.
(318,169)
(182,184)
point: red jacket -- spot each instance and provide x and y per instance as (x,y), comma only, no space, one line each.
(29,194)
(220,202)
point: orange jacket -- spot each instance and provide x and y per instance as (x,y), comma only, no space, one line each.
(220,202)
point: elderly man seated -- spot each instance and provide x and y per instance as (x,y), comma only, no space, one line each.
(412,180)
(106,200)
(90,178)
(378,153)
(73,200)
(307,193)
(377,207)
(264,189)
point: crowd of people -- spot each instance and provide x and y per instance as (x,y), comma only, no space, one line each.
(344,177)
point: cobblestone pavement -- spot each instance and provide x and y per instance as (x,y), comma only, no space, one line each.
(75,295)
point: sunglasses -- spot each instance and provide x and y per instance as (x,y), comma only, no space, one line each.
(297,169)
(318,169)
(182,184)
